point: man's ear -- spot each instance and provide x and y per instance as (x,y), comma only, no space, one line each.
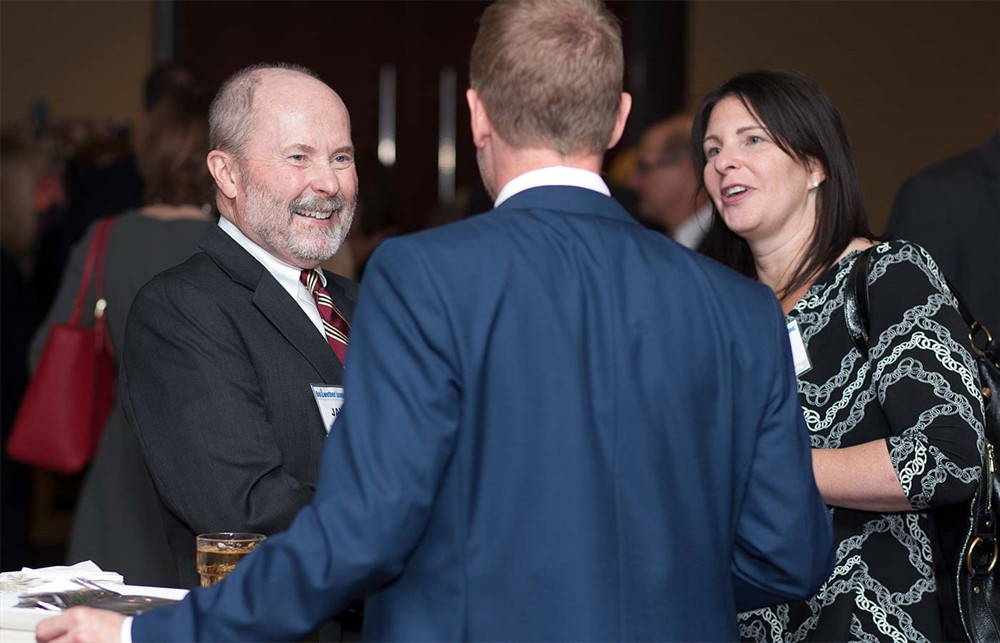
(223,168)
(482,128)
(624,107)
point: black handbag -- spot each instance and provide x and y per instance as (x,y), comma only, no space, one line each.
(966,544)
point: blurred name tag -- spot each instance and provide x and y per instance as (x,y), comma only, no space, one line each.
(799,354)
(329,399)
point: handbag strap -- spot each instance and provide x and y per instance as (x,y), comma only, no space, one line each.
(988,348)
(980,553)
(94,263)
(980,548)
(856,303)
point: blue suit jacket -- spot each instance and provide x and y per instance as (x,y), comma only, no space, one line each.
(559,426)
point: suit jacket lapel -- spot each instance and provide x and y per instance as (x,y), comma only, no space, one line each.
(274,303)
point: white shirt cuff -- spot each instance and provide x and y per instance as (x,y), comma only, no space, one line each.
(126,633)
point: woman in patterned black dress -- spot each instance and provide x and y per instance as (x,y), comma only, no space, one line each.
(895,432)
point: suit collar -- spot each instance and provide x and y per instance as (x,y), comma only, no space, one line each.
(572,200)
(555,175)
(274,302)
(236,262)
(287,275)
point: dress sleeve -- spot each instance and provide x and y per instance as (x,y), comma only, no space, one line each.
(924,377)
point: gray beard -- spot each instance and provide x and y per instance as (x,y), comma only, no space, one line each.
(274,223)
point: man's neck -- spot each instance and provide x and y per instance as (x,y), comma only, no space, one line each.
(513,162)
(255,248)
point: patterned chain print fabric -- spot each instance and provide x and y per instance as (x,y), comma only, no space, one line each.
(917,390)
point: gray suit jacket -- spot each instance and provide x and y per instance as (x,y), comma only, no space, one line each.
(215,377)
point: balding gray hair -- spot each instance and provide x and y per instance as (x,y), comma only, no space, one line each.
(230,116)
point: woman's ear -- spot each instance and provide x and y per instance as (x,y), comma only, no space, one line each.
(222,166)
(816,172)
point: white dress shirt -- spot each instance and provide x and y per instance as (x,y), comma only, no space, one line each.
(690,233)
(287,275)
(555,175)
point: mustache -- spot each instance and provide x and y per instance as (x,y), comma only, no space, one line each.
(316,203)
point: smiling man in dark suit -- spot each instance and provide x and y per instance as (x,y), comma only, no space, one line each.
(560,424)
(221,352)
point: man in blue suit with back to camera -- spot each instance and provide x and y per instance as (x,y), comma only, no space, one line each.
(559,425)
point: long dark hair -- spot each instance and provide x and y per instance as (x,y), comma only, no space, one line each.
(804,124)
(171,150)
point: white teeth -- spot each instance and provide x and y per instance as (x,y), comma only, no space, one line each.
(314,215)
(736,189)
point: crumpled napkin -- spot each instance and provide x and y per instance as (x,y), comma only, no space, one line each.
(55,578)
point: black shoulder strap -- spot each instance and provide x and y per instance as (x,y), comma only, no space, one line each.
(856,301)
(980,340)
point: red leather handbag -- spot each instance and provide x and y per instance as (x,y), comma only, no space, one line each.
(62,414)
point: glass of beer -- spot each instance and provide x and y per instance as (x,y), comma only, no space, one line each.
(218,553)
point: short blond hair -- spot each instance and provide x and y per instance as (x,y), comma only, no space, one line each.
(549,73)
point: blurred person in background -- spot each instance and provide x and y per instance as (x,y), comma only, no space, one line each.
(670,198)
(376,218)
(20,172)
(953,210)
(103,176)
(619,166)
(895,432)
(117,522)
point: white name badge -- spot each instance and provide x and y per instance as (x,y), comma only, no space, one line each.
(329,399)
(799,354)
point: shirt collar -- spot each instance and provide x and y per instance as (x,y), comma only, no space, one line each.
(690,233)
(555,175)
(287,275)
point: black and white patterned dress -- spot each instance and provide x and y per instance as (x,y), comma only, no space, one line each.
(917,389)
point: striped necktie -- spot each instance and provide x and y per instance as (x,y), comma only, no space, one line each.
(335,327)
